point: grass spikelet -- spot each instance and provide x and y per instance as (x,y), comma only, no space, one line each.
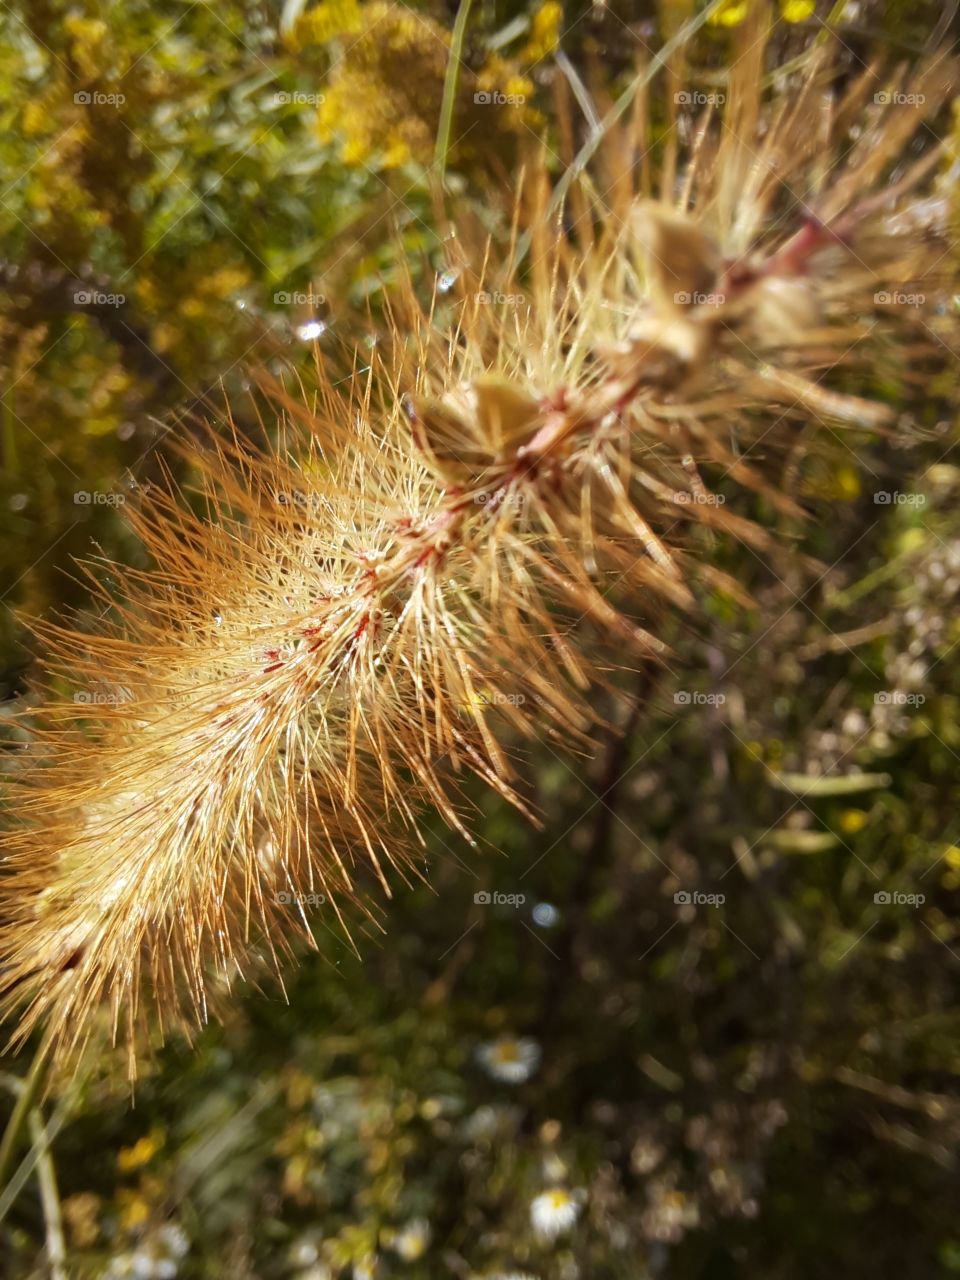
(440,554)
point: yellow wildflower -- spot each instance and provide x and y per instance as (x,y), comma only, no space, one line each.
(797,10)
(544,32)
(730,14)
(325,23)
(141,1153)
(852,821)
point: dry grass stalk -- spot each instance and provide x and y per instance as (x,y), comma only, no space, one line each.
(346,627)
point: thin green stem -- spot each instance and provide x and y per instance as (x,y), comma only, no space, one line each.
(619,108)
(21,1111)
(49,1198)
(450,86)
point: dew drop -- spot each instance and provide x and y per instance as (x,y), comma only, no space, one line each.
(312,330)
(546,915)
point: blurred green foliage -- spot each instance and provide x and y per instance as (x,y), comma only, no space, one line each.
(550,1064)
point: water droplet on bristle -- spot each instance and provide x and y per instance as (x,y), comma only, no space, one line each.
(312,330)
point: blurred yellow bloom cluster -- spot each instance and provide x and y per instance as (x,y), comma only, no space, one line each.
(326,22)
(502,75)
(544,32)
(189,299)
(386,88)
(87,37)
(141,1153)
(734,12)
(382,102)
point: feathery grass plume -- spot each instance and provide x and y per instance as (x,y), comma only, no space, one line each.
(435,548)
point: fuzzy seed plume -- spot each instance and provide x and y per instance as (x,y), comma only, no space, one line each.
(444,553)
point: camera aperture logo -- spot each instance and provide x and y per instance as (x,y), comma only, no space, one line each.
(97,298)
(897,298)
(500,498)
(898,698)
(701,497)
(95,98)
(894,98)
(695,98)
(693,698)
(886,498)
(97,498)
(894,898)
(484,699)
(495,98)
(484,298)
(298,99)
(684,299)
(103,697)
(295,298)
(298,498)
(488,898)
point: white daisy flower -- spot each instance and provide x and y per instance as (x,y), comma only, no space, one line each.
(145,1266)
(120,1267)
(510,1059)
(173,1240)
(411,1241)
(488,1122)
(555,1211)
(156,1259)
(305,1251)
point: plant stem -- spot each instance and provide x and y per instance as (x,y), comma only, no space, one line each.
(21,1111)
(619,108)
(49,1198)
(450,85)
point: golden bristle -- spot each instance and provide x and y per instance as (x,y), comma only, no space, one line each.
(361,610)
